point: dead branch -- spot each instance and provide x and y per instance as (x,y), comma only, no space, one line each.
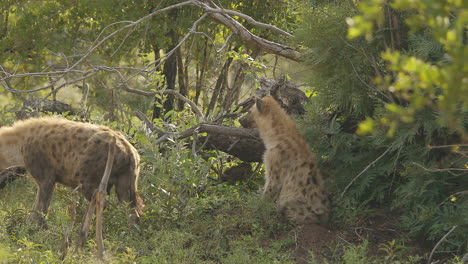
(32,107)
(150,125)
(72,211)
(10,174)
(97,205)
(85,225)
(87,74)
(194,107)
(229,131)
(130,25)
(202,128)
(225,43)
(244,143)
(245,35)
(219,14)
(248,19)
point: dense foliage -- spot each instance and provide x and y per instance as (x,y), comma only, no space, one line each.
(74,43)
(388,119)
(397,77)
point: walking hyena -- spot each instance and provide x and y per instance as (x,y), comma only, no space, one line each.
(71,153)
(292,178)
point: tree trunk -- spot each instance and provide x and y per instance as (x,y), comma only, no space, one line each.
(232,95)
(182,78)
(157,101)
(201,68)
(219,85)
(4,13)
(170,74)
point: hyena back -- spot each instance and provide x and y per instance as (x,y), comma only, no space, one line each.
(56,150)
(292,178)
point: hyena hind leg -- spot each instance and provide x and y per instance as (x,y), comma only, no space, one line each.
(42,202)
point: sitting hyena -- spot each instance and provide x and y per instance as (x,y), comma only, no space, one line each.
(292,178)
(71,153)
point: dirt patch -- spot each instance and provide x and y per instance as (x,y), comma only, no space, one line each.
(378,230)
(313,238)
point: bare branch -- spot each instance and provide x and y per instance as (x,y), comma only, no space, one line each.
(130,25)
(248,19)
(194,107)
(219,14)
(247,36)
(87,75)
(149,124)
(449,170)
(448,146)
(225,43)
(229,131)
(160,60)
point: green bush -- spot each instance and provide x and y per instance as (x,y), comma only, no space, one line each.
(390,127)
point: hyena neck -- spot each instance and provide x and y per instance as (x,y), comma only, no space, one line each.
(10,148)
(274,132)
(272,138)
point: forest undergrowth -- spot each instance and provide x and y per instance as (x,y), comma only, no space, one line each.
(192,217)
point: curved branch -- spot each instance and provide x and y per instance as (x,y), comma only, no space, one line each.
(150,125)
(248,19)
(130,25)
(248,37)
(194,107)
(218,14)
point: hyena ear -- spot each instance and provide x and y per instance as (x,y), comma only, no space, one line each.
(259,104)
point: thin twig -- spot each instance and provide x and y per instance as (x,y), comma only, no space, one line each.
(438,244)
(225,43)
(365,169)
(441,170)
(130,25)
(448,146)
(72,210)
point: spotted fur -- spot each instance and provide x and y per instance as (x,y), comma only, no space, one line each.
(56,150)
(292,178)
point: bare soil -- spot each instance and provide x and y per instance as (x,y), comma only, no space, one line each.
(379,230)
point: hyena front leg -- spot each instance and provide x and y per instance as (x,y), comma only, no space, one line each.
(41,204)
(36,162)
(273,177)
(269,191)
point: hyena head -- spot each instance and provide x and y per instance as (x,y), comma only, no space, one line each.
(262,108)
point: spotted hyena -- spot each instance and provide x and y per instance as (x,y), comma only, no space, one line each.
(292,178)
(56,150)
